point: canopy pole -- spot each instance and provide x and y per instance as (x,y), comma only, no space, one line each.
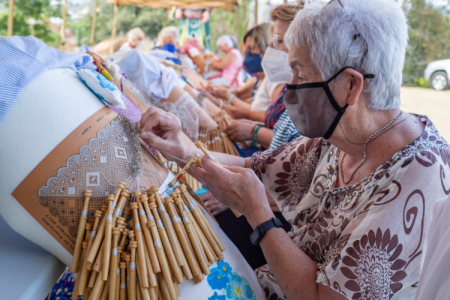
(63,26)
(113,33)
(256,12)
(245,15)
(94,19)
(11,18)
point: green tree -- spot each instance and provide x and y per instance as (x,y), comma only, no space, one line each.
(39,10)
(151,21)
(429,38)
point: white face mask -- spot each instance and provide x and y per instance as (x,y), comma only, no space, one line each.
(275,64)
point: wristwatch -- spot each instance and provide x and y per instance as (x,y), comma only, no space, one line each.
(259,232)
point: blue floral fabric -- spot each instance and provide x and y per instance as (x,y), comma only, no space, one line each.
(229,283)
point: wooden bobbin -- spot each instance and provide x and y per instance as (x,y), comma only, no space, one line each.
(160,252)
(168,225)
(123,284)
(113,265)
(124,238)
(76,288)
(88,228)
(98,287)
(210,255)
(84,270)
(164,289)
(165,241)
(198,215)
(118,212)
(105,292)
(132,274)
(99,236)
(107,240)
(192,263)
(144,217)
(143,293)
(119,257)
(140,246)
(81,230)
(148,243)
(201,257)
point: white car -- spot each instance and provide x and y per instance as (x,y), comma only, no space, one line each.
(437,74)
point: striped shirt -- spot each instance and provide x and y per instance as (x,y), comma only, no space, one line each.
(284,131)
(23,59)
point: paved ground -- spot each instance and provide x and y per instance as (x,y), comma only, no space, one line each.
(434,104)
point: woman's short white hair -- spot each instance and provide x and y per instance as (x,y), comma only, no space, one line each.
(225,40)
(136,34)
(170,31)
(370,36)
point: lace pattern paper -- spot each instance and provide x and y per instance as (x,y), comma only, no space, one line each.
(109,158)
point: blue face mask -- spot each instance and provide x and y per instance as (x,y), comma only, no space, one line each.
(252,64)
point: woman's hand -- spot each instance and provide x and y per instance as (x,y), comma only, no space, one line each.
(221,92)
(237,188)
(162,131)
(214,205)
(240,130)
(239,112)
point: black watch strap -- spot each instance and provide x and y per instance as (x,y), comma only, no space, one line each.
(259,232)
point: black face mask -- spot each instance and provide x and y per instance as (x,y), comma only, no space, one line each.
(313,108)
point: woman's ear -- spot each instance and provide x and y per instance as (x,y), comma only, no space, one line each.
(354,85)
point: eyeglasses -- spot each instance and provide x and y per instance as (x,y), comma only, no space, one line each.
(277,40)
(340,3)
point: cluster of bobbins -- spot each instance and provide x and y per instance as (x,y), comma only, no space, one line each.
(217,140)
(142,251)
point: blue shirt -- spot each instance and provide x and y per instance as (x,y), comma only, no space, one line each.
(284,131)
(23,59)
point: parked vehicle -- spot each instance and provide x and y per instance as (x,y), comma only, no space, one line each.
(437,73)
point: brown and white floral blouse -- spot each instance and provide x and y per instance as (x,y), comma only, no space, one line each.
(366,239)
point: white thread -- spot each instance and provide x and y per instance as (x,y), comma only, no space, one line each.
(137,226)
(158,244)
(118,212)
(185,208)
(114,204)
(84,213)
(93,233)
(161,208)
(211,157)
(109,218)
(174,219)
(118,271)
(132,265)
(191,206)
(114,252)
(141,212)
(123,286)
(150,217)
(159,224)
(186,220)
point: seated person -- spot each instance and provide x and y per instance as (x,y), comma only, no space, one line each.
(242,130)
(264,92)
(135,37)
(231,64)
(359,187)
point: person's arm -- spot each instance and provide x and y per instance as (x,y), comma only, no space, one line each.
(225,62)
(245,91)
(265,136)
(294,271)
(162,131)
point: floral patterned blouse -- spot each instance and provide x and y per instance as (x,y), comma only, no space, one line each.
(366,239)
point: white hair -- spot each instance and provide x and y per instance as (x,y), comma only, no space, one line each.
(169,31)
(225,40)
(370,36)
(135,34)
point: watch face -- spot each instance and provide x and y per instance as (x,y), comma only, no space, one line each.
(254,237)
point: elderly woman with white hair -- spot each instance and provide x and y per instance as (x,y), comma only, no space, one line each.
(135,37)
(360,187)
(231,64)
